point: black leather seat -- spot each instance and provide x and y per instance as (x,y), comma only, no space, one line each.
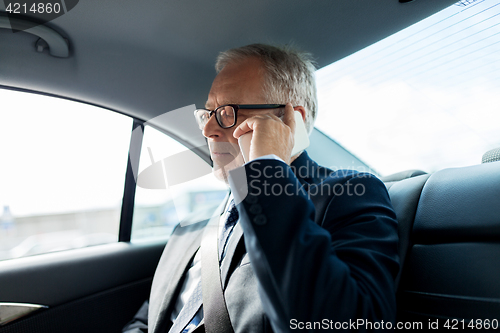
(402,175)
(449,228)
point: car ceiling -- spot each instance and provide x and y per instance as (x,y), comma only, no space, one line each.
(145,58)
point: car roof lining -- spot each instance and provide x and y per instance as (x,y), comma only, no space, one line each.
(147,60)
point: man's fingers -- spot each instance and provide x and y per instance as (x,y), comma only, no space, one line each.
(244,127)
(248,125)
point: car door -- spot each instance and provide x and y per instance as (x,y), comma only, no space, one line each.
(79,244)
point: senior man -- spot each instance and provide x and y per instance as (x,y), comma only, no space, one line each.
(306,248)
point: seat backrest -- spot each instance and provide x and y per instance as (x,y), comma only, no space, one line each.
(449,225)
(405,197)
(402,175)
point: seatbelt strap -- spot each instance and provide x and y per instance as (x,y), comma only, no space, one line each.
(215,314)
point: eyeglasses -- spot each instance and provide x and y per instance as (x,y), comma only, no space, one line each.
(227,115)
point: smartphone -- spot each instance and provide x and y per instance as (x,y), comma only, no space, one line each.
(301,138)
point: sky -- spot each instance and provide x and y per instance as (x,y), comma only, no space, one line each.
(53,162)
(425,98)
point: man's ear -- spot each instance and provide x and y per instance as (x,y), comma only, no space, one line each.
(301,110)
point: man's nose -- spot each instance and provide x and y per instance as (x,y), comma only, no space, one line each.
(212,128)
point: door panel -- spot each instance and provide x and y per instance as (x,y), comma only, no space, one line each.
(94,289)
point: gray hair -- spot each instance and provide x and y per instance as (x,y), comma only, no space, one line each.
(289,75)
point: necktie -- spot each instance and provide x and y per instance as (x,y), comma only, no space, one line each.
(195,301)
(188,311)
(228,228)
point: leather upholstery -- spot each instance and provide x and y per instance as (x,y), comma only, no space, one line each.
(460,204)
(449,227)
(405,196)
(402,175)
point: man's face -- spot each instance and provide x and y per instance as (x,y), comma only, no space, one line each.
(237,83)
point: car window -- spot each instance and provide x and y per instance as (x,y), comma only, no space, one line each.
(432,90)
(62,174)
(164,195)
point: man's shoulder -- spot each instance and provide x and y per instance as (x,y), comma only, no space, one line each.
(347,184)
(364,185)
(319,174)
(308,171)
(346,175)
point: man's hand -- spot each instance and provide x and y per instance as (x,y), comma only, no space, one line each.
(271,135)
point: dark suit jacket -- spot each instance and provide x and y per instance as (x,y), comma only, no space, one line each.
(319,248)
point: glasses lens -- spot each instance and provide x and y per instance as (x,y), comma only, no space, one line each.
(226,116)
(202,117)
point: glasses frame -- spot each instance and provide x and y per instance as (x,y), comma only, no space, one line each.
(236,107)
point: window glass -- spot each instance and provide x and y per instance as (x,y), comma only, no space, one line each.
(62,174)
(168,196)
(424,98)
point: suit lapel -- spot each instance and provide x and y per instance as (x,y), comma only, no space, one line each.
(306,170)
(230,257)
(230,261)
(303,162)
(170,284)
(172,281)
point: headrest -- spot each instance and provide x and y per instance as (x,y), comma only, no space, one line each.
(491,155)
(459,204)
(402,175)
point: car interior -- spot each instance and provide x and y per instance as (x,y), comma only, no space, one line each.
(151,62)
